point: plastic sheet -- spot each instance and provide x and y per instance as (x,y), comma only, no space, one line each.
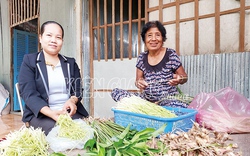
(60,144)
(4,101)
(223,111)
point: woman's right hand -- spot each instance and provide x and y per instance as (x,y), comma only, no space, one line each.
(54,114)
(57,113)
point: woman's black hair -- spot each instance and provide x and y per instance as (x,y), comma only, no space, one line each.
(154,24)
(51,22)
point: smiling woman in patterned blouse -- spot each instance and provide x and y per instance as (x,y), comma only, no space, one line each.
(158,69)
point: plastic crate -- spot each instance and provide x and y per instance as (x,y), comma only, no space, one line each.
(183,121)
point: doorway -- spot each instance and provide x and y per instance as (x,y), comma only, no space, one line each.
(25,41)
(24,22)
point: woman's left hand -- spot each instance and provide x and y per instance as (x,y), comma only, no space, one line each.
(175,81)
(70,107)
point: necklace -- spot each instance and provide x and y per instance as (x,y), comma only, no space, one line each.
(50,64)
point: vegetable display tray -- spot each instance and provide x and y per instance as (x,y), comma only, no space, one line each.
(183,121)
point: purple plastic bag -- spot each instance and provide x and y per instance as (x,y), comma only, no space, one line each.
(223,111)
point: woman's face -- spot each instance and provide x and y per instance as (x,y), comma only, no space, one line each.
(51,40)
(153,39)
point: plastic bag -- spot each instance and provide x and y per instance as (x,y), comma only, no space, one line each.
(4,101)
(60,144)
(223,111)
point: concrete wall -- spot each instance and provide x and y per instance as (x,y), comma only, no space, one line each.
(108,77)
(5,47)
(229,26)
(64,12)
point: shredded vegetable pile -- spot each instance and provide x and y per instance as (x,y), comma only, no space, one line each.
(138,105)
(199,141)
(68,128)
(25,141)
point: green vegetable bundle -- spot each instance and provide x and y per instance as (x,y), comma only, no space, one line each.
(24,142)
(115,140)
(138,105)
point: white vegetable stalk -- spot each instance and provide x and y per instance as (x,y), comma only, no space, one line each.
(68,128)
(25,141)
(138,105)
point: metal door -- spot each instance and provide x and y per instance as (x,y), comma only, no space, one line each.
(23,43)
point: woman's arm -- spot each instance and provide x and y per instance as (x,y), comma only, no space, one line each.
(29,81)
(140,83)
(54,114)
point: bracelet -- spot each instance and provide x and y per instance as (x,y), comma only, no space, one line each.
(182,78)
(74,98)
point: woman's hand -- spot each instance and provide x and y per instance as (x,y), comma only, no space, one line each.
(141,84)
(176,80)
(70,106)
(179,77)
(54,114)
(57,113)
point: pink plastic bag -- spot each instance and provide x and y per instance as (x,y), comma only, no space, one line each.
(223,111)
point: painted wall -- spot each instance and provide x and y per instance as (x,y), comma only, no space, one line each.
(229,30)
(65,14)
(108,77)
(5,47)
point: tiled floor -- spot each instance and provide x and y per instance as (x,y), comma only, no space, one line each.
(10,122)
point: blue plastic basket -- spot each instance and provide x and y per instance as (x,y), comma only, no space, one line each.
(183,121)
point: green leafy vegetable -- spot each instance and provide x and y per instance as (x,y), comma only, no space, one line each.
(115,140)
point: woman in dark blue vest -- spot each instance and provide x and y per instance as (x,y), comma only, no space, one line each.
(50,83)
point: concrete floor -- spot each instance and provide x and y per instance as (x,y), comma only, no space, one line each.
(243,141)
